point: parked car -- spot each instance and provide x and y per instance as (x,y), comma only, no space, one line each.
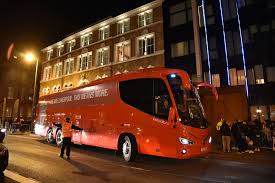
(3,133)
(4,159)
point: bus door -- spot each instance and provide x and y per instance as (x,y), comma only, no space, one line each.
(76,133)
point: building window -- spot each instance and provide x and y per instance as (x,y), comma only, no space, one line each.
(146,44)
(10,92)
(264,28)
(57,72)
(251,76)
(229,9)
(180,13)
(213,48)
(104,32)
(259,74)
(122,51)
(85,40)
(245,35)
(60,50)
(46,73)
(49,54)
(233,43)
(233,77)
(253,29)
(270,73)
(70,45)
(68,66)
(242,3)
(216,80)
(241,77)
(145,18)
(179,49)
(123,26)
(102,56)
(210,16)
(84,61)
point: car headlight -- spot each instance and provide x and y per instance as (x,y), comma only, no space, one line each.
(185,141)
(3,130)
(210,140)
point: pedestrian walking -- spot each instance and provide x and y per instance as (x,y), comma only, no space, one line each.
(225,132)
(67,128)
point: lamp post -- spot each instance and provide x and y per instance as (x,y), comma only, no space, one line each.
(29,57)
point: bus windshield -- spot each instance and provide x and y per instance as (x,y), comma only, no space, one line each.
(192,113)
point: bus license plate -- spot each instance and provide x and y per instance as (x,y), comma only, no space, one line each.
(203,149)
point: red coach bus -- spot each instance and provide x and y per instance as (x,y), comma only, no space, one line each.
(152,111)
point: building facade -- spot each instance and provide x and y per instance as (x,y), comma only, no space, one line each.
(127,42)
(229,44)
(16,90)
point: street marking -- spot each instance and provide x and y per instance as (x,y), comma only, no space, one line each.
(18,178)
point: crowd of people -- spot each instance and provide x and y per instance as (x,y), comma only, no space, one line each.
(245,136)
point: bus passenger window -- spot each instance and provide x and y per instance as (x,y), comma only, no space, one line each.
(152,96)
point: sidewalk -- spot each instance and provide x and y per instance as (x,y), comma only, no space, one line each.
(264,157)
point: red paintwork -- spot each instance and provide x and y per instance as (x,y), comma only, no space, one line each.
(105,118)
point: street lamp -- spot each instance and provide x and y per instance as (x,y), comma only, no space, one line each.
(30,57)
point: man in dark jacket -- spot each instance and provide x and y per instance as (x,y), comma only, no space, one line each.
(225,132)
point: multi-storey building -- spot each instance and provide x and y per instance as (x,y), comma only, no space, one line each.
(16,90)
(228,43)
(225,42)
(127,42)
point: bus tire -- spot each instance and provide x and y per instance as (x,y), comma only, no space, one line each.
(128,147)
(50,138)
(58,137)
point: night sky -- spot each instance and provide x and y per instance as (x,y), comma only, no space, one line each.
(35,24)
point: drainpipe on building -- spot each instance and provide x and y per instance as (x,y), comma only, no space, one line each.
(197,41)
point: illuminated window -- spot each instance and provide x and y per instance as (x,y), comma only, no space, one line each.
(102,56)
(216,80)
(241,77)
(179,49)
(57,72)
(60,50)
(70,45)
(251,76)
(233,77)
(68,66)
(104,32)
(259,74)
(122,51)
(49,54)
(145,18)
(123,26)
(84,61)
(85,40)
(146,44)
(46,73)
(270,73)
(10,92)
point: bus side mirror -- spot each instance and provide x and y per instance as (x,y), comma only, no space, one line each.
(172,116)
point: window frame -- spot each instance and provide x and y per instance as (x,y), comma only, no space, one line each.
(107,49)
(145,38)
(146,20)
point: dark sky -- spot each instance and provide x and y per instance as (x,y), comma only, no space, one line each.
(35,24)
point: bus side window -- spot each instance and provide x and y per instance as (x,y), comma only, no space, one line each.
(162,99)
(149,95)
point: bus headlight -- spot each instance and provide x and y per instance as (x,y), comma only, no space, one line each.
(210,140)
(185,141)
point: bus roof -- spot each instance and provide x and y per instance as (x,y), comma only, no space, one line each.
(131,74)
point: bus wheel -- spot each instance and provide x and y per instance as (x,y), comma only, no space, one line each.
(129,148)
(50,138)
(59,137)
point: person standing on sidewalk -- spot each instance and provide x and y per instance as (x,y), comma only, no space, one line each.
(67,128)
(225,132)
